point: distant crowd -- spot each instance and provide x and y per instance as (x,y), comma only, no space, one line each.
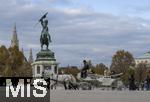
(144,85)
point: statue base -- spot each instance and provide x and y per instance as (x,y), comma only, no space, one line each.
(45,63)
(45,55)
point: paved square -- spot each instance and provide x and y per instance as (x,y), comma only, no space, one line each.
(99,96)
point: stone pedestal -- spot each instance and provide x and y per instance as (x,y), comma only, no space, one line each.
(45,63)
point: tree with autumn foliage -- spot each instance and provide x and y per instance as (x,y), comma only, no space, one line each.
(99,69)
(4,58)
(69,70)
(121,62)
(141,72)
(13,64)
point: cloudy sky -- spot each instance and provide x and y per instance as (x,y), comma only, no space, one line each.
(80,29)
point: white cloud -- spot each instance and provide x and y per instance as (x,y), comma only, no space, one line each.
(33,46)
(77,32)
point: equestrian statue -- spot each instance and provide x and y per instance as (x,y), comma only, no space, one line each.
(45,38)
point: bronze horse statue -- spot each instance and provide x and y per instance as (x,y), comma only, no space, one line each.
(45,38)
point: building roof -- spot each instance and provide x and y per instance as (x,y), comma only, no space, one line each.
(145,56)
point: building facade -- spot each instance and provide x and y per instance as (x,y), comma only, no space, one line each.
(145,58)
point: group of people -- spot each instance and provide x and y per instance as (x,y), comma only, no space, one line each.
(144,85)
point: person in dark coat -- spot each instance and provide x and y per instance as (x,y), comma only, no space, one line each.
(84,70)
(142,86)
(147,83)
(132,85)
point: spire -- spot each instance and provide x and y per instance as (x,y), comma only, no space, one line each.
(14,40)
(30,60)
(15,28)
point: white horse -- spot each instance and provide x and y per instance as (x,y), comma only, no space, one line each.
(61,79)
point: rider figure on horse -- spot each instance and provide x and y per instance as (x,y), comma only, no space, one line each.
(45,36)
